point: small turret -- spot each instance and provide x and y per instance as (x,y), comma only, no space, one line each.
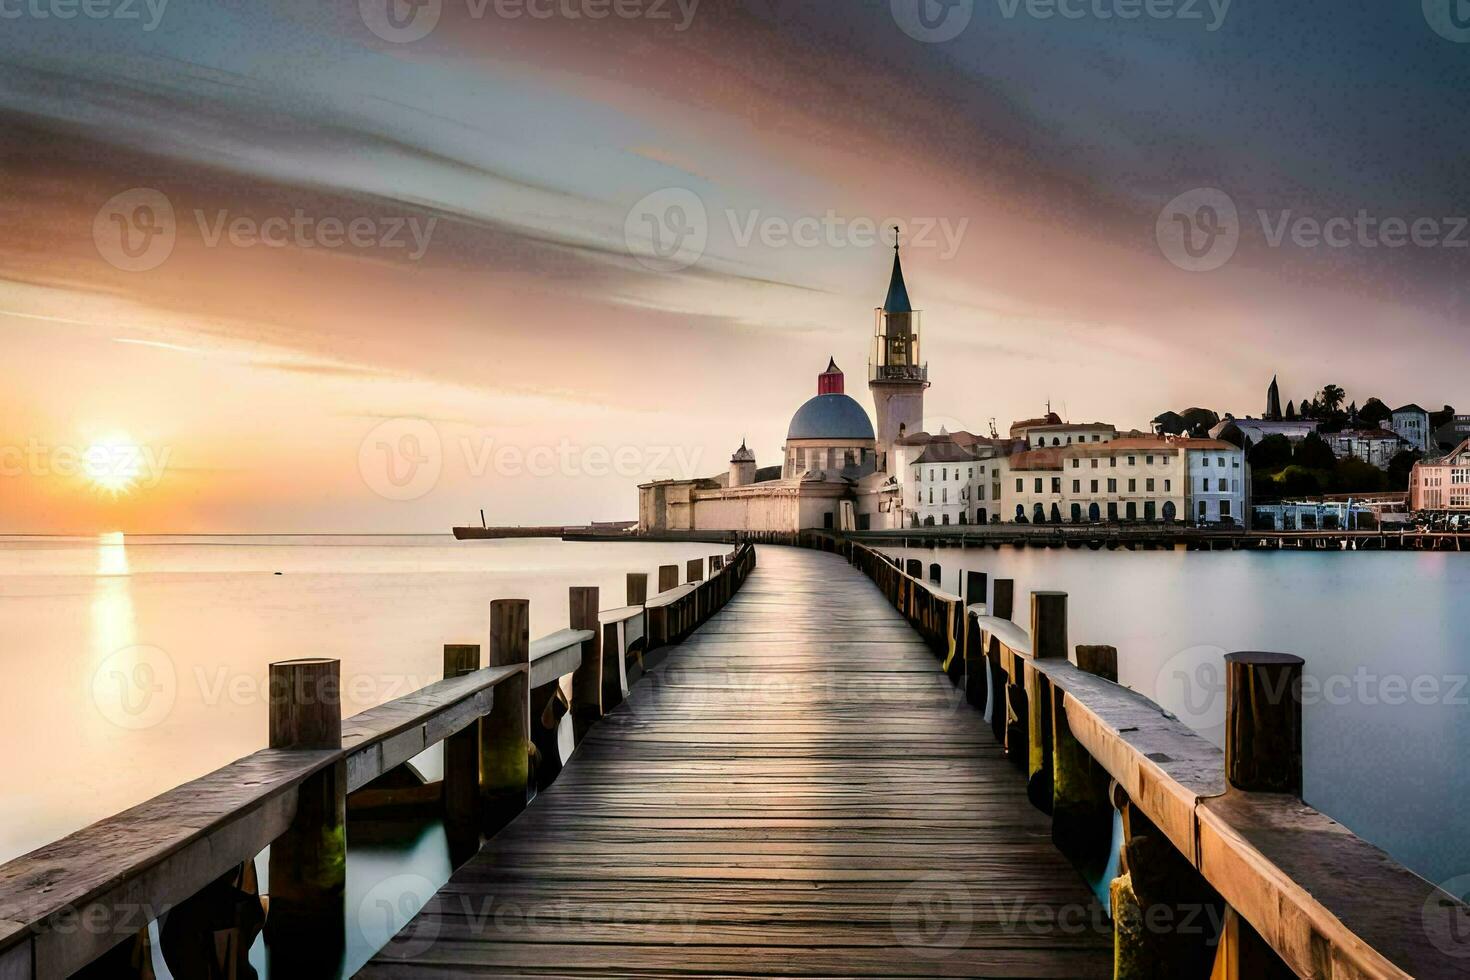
(742,467)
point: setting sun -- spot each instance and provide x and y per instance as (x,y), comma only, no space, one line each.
(113,464)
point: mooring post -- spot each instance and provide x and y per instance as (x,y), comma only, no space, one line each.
(668,577)
(308,863)
(975,585)
(1263,722)
(505,734)
(1048,642)
(587,678)
(695,570)
(462,762)
(1002,601)
(1099,660)
(1082,808)
(637,588)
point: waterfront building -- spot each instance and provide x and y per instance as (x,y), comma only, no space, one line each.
(1256,430)
(1411,423)
(1442,484)
(1377,447)
(949,478)
(1056,434)
(1218,481)
(836,468)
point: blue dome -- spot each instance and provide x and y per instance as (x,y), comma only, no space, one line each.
(830,417)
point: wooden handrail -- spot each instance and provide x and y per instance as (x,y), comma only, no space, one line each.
(1324,901)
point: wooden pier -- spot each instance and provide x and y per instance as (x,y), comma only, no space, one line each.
(821,766)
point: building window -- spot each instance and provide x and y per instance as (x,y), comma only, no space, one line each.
(946,518)
(1113,461)
(1094,486)
(1204,461)
(1020,485)
(1149,485)
(1056,484)
(944,495)
(1132,486)
(1220,460)
(1112,486)
(1076,486)
(1224,508)
(1096,438)
(1132,460)
(1149,460)
(1038,484)
(1076,463)
(931,495)
(1168,485)
(1094,464)
(931,474)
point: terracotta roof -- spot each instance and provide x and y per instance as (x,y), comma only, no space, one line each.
(1052,419)
(1038,459)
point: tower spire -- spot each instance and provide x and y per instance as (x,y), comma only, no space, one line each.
(898,291)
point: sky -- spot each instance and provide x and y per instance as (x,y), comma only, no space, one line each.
(374,266)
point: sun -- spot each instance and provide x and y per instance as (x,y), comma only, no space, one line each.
(113,464)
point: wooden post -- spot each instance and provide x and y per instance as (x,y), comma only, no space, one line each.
(637,588)
(462,763)
(695,567)
(1263,722)
(505,734)
(915,568)
(1082,807)
(1048,642)
(308,863)
(668,577)
(1003,592)
(587,679)
(1099,660)
(975,587)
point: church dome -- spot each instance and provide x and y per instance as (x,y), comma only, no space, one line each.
(834,416)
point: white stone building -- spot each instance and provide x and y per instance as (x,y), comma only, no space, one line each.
(1411,423)
(1376,447)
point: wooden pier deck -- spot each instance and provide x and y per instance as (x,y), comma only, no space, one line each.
(798,791)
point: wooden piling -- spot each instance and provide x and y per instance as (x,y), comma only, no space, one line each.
(462,761)
(668,577)
(1048,642)
(1002,600)
(587,678)
(1263,722)
(1082,807)
(1099,660)
(637,588)
(976,584)
(505,734)
(308,863)
(915,567)
(694,570)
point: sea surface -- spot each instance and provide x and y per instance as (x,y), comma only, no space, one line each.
(134,664)
(1386,686)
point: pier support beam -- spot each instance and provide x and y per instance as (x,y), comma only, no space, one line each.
(505,734)
(308,863)
(587,679)
(1002,600)
(1263,722)
(462,765)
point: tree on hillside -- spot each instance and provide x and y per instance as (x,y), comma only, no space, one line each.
(1314,453)
(1332,396)
(1272,453)
(1373,412)
(1353,475)
(1352,414)
(1400,467)
(1291,410)
(1198,420)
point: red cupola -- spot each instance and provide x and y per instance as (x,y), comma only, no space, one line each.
(830,381)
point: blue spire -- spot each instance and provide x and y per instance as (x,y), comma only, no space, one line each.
(898,293)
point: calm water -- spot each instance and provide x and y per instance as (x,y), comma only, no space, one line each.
(133,665)
(1386,639)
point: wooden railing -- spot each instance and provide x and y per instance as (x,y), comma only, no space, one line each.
(1209,837)
(83,903)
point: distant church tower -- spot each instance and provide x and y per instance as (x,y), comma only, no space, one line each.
(897,374)
(1273,402)
(742,467)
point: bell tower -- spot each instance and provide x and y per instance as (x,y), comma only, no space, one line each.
(897,373)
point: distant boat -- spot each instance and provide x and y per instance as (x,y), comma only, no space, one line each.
(600,528)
